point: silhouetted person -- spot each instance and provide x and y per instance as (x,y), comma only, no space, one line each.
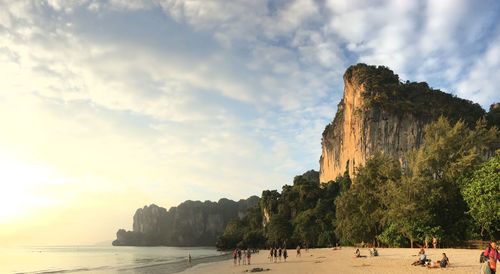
(239,256)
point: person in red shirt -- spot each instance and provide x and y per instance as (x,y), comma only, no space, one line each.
(492,254)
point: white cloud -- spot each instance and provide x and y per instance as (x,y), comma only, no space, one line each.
(481,82)
(138,95)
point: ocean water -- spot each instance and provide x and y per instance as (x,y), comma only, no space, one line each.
(101,259)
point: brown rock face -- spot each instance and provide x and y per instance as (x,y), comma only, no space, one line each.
(361,127)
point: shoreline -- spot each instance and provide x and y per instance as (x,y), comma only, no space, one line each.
(176,267)
(326,260)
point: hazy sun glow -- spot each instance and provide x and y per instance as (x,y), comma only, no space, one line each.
(22,189)
(106,106)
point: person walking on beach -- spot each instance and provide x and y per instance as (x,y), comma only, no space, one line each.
(239,256)
(279,253)
(271,254)
(244,256)
(249,255)
(189,258)
(434,242)
(298,251)
(285,254)
(492,256)
(235,255)
(275,255)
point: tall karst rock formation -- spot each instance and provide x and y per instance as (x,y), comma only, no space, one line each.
(378,113)
(192,223)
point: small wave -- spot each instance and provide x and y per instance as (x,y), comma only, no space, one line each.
(47,271)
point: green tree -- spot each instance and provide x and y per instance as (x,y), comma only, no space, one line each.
(449,152)
(482,194)
(360,210)
(306,228)
(278,230)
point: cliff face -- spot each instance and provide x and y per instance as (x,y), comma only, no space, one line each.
(380,114)
(149,219)
(192,223)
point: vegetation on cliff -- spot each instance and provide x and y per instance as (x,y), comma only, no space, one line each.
(303,212)
(422,200)
(448,191)
(385,90)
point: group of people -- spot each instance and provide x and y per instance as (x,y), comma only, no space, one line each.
(424,261)
(488,259)
(434,242)
(373,253)
(244,254)
(275,254)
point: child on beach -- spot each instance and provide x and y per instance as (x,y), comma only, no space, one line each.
(275,255)
(285,254)
(244,257)
(279,253)
(298,251)
(271,254)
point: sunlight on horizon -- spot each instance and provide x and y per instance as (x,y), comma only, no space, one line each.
(21,188)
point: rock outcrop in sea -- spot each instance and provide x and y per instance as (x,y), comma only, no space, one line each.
(192,223)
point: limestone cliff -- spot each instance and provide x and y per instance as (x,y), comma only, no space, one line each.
(149,219)
(192,223)
(378,113)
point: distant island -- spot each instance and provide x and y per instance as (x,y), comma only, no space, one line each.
(401,164)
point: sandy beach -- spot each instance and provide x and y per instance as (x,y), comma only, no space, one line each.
(326,260)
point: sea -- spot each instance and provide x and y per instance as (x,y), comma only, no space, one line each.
(103,259)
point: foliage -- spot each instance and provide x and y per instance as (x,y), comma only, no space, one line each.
(449,153)
(279,230)
(303,213)
(482,194)
(384,90)
(360,210)
(424,200)
(392,237)
(493,116)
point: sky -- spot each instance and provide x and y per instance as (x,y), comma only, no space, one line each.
(107,106)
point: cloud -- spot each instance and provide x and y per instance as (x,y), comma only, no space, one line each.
(481,82)
(165,100)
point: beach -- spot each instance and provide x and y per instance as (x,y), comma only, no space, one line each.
(327,260)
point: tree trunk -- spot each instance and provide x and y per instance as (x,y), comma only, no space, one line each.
(411,242)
